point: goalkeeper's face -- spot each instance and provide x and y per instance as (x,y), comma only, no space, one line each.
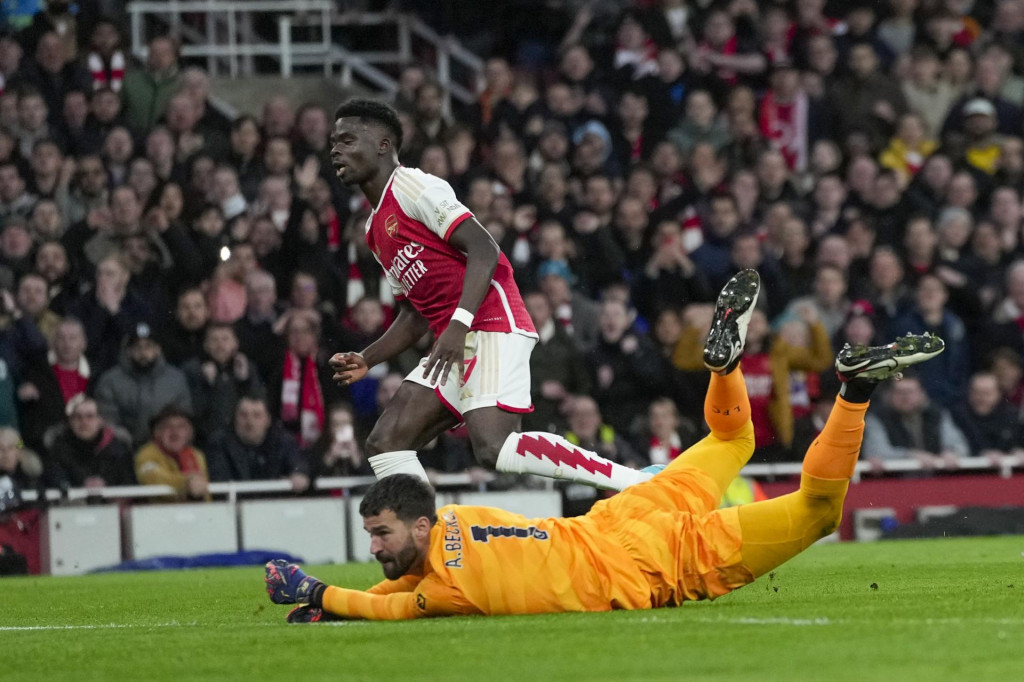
(400,547)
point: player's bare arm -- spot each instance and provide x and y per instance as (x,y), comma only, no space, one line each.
(481,259)
(349,367)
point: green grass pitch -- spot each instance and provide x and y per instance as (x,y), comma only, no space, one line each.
(910,611)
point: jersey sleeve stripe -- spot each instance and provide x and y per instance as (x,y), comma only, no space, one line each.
(455,223)
(410,179)
(412,193)
(409,183)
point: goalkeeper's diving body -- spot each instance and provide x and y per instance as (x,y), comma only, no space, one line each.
(657,543)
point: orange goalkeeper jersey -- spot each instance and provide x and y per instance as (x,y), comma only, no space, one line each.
(489,561)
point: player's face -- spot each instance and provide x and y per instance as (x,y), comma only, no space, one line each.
(354,146)
(392,543)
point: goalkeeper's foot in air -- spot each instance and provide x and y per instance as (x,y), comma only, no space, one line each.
(724,347)
(878,363)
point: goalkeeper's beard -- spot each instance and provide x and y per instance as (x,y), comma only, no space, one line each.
(397,565)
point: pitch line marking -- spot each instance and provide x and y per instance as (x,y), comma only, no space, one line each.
(172,624)
(794,622)
(825,621)
(104,626)
(749,621)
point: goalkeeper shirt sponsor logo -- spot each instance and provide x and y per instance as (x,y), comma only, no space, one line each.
(485,533)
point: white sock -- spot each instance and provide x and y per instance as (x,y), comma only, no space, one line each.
(546,454)
(397,462)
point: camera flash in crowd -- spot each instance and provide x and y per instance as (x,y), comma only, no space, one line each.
(225,253)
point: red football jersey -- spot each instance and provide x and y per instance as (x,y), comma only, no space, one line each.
(408,233)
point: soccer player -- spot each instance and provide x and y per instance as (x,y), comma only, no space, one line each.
(448,275)
(657,543)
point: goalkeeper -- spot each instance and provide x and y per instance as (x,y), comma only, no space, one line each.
(657,543)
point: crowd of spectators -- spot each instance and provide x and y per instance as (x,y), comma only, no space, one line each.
(173,281)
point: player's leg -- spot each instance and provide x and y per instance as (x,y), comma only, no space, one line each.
(544,454)
(727,449)
(776,530)
(726,405)
(413,418)
(488,428)
(726,408)
(496,390)
(730,444)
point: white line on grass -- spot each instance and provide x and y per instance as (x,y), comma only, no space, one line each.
(104,626)
(743,620)
(773,621)
(172,624)
(849,621)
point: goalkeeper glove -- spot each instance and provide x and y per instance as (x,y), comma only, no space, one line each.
(287,584)
(310,614)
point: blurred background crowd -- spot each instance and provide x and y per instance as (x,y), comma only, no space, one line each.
(173,280)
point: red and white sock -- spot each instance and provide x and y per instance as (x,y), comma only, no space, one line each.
(545,454)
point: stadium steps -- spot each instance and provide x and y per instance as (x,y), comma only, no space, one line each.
(247,95)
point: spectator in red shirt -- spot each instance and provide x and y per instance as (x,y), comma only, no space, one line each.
(67,359)
(723,56)
(48,385)
(666,440)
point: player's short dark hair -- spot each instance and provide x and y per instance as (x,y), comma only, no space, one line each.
(377,112)
(406,495)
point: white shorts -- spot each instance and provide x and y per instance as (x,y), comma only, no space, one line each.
(497,370)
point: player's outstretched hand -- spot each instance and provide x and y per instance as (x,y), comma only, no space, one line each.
(447,352)
(310,614)
(288,584)
(348,367)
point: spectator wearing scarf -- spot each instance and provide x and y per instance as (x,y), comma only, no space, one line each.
(301,386)
(170,459)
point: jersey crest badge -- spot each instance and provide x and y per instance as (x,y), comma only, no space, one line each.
(391,225)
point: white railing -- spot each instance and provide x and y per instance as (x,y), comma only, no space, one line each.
(233,489)
(227,39)
(893,466)
(227,32)
(408,28)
